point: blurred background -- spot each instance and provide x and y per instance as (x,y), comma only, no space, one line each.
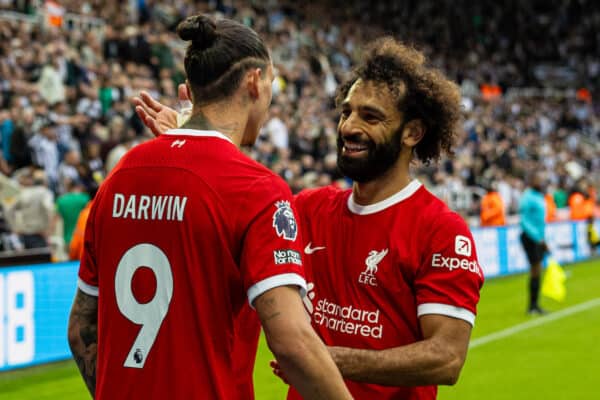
(529,73)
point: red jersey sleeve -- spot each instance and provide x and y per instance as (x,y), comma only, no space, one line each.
(272,245)
(88,271)
(449,278)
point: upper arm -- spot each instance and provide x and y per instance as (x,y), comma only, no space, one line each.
(282,316)
(449,278)
(271,250)
(83,320)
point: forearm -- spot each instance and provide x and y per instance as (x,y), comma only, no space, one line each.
(302,356)
(83,337)
(426,362)
(310,369)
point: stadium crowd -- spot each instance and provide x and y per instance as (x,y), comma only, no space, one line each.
(529,73)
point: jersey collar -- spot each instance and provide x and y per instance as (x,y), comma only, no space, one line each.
(197,133)
(396,198)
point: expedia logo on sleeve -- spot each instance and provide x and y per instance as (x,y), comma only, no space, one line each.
(462,247)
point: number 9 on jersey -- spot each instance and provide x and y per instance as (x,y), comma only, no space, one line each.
(149,315)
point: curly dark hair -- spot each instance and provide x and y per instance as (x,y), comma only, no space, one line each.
(423,93)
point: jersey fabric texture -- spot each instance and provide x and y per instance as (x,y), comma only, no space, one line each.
(185,233)
(373,270)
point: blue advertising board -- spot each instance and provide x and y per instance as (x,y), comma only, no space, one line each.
(500,251)
(34,309)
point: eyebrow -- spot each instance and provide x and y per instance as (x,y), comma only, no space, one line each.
(367,108)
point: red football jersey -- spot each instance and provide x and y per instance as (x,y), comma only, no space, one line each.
(373,270)
(183,235)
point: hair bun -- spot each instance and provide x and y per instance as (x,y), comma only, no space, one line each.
(198,29)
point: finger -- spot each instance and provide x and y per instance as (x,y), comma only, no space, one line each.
(149,121)
(146,108)
(150,102)
(141,112)
(153,125)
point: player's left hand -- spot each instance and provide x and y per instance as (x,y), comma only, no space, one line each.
(278,372)
(155,115)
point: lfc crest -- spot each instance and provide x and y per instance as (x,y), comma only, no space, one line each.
(367,277)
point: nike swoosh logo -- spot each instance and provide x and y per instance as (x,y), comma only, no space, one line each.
(310,250)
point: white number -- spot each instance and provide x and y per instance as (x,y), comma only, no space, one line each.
(150,315)
(16,305)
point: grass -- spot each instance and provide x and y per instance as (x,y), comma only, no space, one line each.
(555,360)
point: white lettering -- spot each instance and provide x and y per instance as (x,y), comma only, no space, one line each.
(118,203)
(179,208)
(169,201)
(138,207)
(130,208)
(452,263)
(347,319)
(158,206)
(143,207)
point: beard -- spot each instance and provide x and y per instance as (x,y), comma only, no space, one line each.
(379,159)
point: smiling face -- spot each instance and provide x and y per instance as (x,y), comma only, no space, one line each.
(369,131)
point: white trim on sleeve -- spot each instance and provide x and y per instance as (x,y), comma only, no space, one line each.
(87,289)
(274,281)
(448,310)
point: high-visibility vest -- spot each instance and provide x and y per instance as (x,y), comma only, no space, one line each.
(76,245)
(550,208)
(492,210)
(54,13)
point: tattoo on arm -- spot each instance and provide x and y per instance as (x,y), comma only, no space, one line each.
(269,307)
(83,336)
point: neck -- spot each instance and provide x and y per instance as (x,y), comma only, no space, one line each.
(384,186)
(224,118)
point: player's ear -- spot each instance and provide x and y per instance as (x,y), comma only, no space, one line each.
(253,77)
(188,90)
(413,132)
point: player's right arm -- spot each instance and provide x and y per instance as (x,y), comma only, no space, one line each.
(83,336)
(300,353)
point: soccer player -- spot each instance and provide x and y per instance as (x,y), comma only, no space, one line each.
(393,277)
(184,235)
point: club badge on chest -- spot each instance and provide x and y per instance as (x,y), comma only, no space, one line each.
(367,277)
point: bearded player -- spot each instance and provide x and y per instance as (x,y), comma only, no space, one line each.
(393,276)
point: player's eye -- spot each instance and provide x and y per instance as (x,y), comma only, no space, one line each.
(370,118)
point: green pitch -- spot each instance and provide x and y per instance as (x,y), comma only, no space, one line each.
(513,356)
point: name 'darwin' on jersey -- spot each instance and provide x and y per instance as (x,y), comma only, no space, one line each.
(149,207)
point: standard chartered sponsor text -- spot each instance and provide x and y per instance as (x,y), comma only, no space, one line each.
(348,319)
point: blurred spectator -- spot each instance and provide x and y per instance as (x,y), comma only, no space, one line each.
(550,207)
(581,202)
(69,205)
(31,214)
(530,100)
(492,209)
(76,244)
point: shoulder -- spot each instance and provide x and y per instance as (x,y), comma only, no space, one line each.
(316,197)
(436,218)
